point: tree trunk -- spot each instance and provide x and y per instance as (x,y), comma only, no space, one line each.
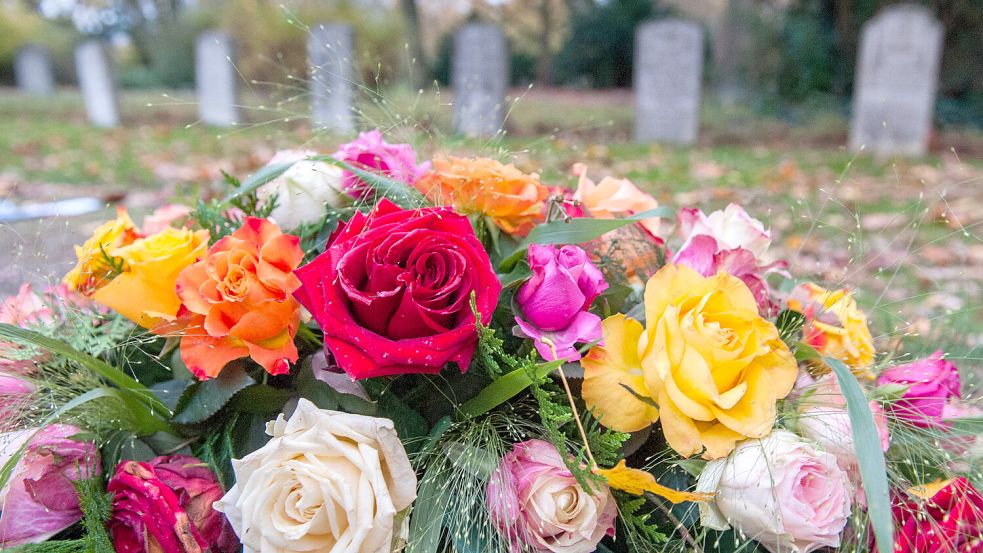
(420,70)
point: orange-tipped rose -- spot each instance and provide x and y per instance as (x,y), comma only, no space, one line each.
(144,291)
(512,199)
(239,302)
(93,269)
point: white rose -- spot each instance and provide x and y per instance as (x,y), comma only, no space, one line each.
(303,190)
(780,491)
(326,481)
(731,228)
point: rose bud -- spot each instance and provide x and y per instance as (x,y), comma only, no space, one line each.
(165,505)
(931,383)
(553,303)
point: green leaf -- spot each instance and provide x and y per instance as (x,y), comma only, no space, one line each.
(204,399)
(805,352)
(870,457)
(320,393)
(789,324)
(427,520)
(410,425)
(503,389)
(583,229)
(399,192)
(148,411)
(259,178)
(261,399)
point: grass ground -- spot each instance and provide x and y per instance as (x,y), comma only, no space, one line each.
(905,233)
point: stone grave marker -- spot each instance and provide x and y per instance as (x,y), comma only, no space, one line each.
(897,76)
(216,79)
(33,71)
(330,53)
(480,77)
(97,80)
(668,79)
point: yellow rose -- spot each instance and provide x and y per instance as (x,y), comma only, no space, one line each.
(835,326)
(144,292)
(92,269)
(705,362)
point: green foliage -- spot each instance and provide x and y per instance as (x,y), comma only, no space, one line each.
(600,47)
(97,505)
(635,514)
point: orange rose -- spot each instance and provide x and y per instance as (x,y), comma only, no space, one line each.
(239,303)
(512,199)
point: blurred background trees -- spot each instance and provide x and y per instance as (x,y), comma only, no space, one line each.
(788,53)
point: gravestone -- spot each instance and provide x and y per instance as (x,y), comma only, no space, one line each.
(330,53)
(480,75)
(668,77)
(897,75)
(216,79)
(97,80)
(33,72)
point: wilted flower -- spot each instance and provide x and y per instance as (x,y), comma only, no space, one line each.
(538,504)
(40,500)
(553,303)
(931,383)
(165,505)
(779,491)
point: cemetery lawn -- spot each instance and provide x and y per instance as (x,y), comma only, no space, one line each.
(907,234)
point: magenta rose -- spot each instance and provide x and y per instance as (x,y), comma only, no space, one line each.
(371,153)
(15,393)
(931,383)
(949,520)
(538,505)
(553,303)
(165,505)
(392,291)
(40,500)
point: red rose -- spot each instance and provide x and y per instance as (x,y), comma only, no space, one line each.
(165,505)
(392,291)
(951,520)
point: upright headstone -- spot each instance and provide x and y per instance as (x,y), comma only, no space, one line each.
(480,77)
(330,51)
(668,77)
(216,79)
(97,80)
(33,72)
(897,75)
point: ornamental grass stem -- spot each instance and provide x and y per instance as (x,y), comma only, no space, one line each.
(573,405)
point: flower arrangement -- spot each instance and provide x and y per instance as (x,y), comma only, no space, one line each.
(364,353)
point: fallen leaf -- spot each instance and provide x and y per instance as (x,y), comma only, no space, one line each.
(636,482)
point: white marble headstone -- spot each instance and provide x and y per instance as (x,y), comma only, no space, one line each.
(97,80)
(33,72)
(330,52)
(216,79)
(480,77)
(668,79)
(897,76)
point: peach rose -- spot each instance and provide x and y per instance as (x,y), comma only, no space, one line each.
(613,198)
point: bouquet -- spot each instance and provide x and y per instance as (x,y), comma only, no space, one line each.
(360,352)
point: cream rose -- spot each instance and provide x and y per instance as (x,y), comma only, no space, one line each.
(303,190)
(731,228)
(326,481)
(780,491)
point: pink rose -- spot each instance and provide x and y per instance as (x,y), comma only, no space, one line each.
(163,217)
(732,228)
(15,394)
(780,491)
(931,383)
(25,309)
(553,303)
(40,500)
(537,503)
(703,254)
(165,505)
(823,418)
(371,153)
